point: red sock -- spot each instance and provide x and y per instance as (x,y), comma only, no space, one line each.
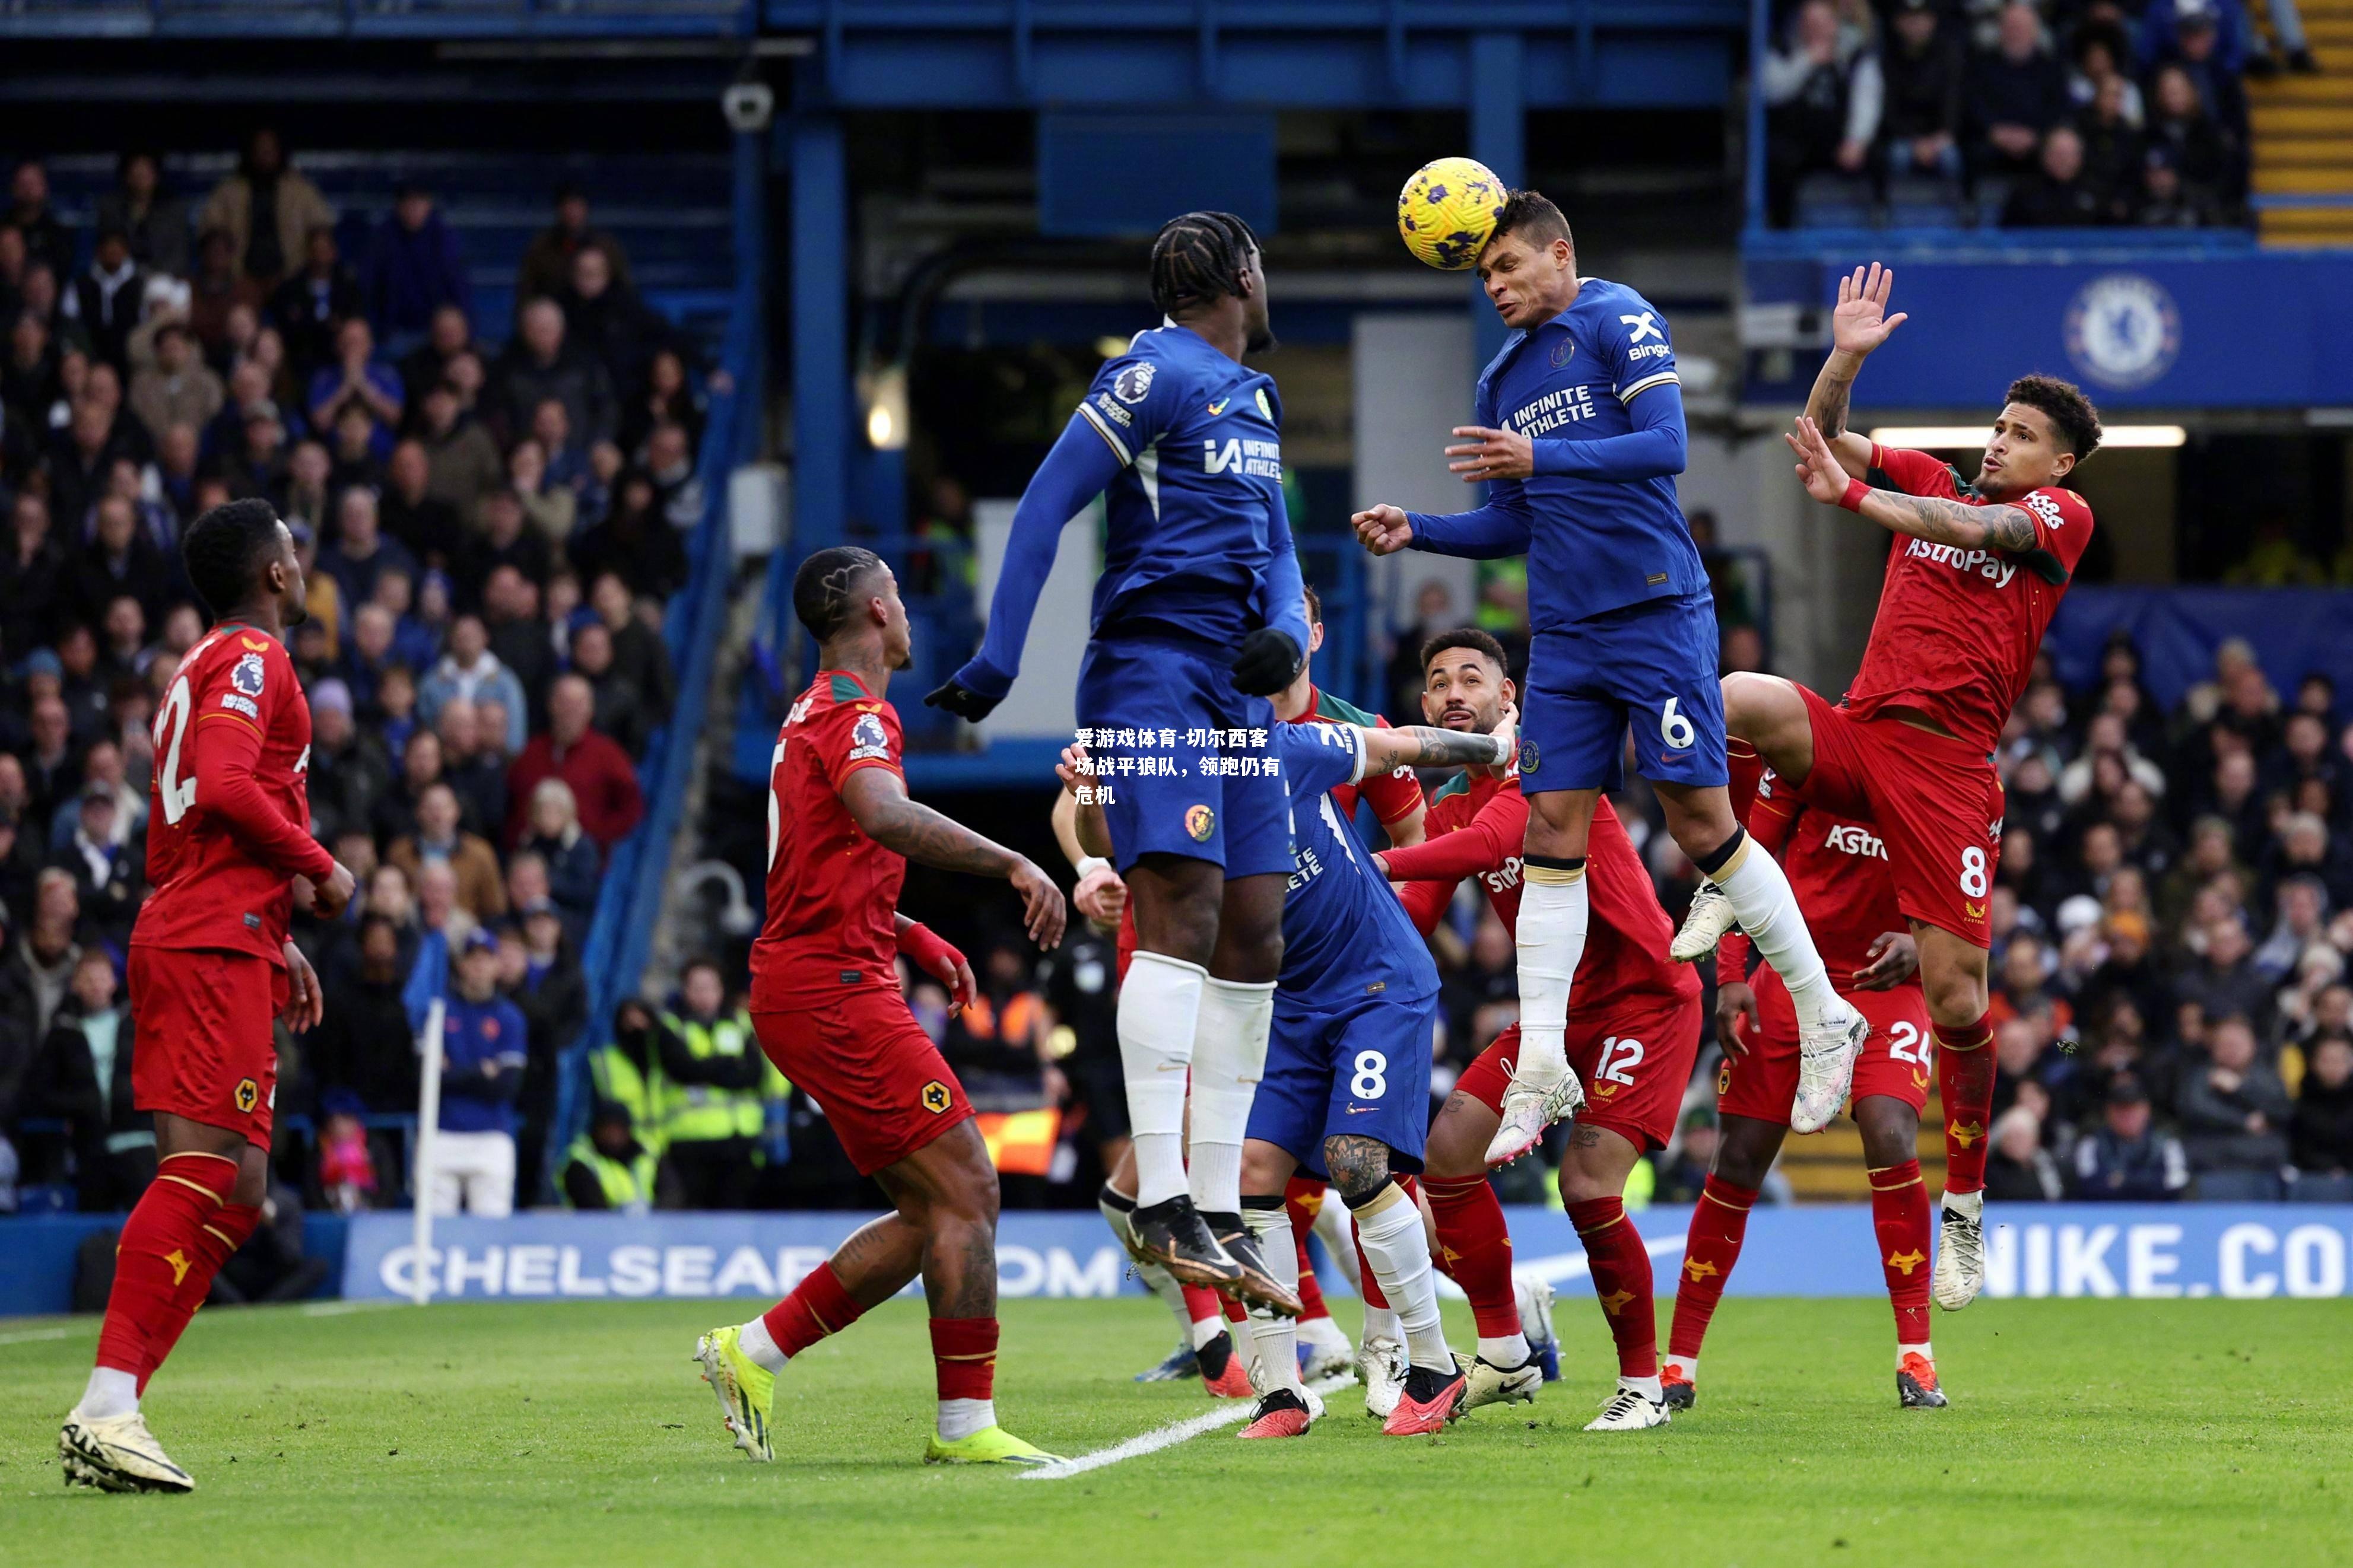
(1368,1284)
(1476,1248)
(215,1244)
(819,1305)
(964,1352)
(1622,1278)
(1899,1213)
(1718,1225)
(1965,1082)
(1302,1199)
(1747,768)
(163,1252)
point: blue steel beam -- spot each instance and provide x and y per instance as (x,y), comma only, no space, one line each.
(820,297)
(1499,139)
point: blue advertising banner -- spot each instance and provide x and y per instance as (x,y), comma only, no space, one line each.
(2058,1250)
(2267,328)
(2294,631)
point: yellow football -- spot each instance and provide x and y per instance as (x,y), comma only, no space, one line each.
(1446,210)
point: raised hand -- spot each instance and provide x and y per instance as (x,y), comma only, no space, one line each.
(1383,530)
(1861,323)
(1817,466)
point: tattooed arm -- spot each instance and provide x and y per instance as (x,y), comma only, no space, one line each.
(877,799)
(1933,517)
(1859,324)
(1422,746)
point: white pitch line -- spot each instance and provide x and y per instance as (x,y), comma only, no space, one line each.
(342,1308)
(30,1335)
(1166,1436)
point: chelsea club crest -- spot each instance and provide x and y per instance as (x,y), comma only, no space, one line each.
(2123,330)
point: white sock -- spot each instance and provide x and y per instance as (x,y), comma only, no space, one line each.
(1648,1387)
(1324,1331)
(1399,1250)
(109,1393)
(1920,1349)
(1508,1350)
(1553,912)
(1690,1365)
(761,1345)
(1228,1056)
(1767,910)
(1381,1323)
(1275,1335)
(1204,1330)
(961,1418)
(1157,1006)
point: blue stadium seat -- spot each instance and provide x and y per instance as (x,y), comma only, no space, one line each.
(1915,203)
(2238,1188)
(1833,201)
(2321,1189)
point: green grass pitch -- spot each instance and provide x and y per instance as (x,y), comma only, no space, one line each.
(2102,1432)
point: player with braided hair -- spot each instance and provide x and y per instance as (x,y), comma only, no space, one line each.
(1198,619)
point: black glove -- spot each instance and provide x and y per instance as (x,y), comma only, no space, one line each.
(961,700)
(1268,662)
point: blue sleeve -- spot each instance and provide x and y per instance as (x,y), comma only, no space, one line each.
(1656,447)
(1317,757)
(1286,608)
(1081,463)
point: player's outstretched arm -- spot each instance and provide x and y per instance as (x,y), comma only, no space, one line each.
(1859,324)
(1933,517)
(877,799)
(1422,746)
(1075,471)
(1492,531)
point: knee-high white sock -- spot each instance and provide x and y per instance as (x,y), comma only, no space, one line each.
(1399,1250)
(1228,1056)
(1119,1212)
(1553,911)
(1275,1336)
(1767,911)
(1157,1007)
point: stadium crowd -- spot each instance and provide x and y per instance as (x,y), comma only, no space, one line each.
(488,532)
(2061,114)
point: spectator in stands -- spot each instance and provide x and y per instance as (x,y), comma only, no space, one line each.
(2224,980)
(1822,99)
(2126,1159)
(549,511)
(568,854)
(505,541)
(462,459)
(270,212)
(155,223)
(606,1168)
(349,771)
(2206,39)
(2234,1112)
(2114,156)
(606,318)
(415,265)
(219,291)
(1924,71)
(546,267)
(539,973)
(357,379)
(30,215)
(81,1075)
(449,334)
(32,576)
(620,709)
(309,307)
(2202,153)
(604,785)
(2017,92)
(175,387)
(2101,53)
(439,839)
(2287,30)
(484,1048)
(2320,1129)
(42,961)
(2020,1169)
(362,552)
(2057,195)
(542,363)
(109,881)
(634,541)
(422,522)
(121,559)
(639,652)
(476,772)
(470,670)
(108,298)
(667,396)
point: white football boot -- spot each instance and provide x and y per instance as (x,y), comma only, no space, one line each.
(1825,1052)
(117,1454)
(1703,926)
(1528,1109)
(1380,1367)
(1630,1410)
(1960,1252)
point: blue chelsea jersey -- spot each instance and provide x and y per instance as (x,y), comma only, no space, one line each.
(1195,516)
(1596,545)
(1346,936)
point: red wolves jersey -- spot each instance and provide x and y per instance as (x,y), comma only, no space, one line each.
(229,807)
(833,893)
(1958,629)
(1839,870)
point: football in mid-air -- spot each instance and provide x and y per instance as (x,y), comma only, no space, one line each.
(1448,209)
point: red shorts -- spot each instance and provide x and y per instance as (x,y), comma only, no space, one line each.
(1936,802)
(1635,1065)
(1897,1060)
(208,1044)
(882,1083)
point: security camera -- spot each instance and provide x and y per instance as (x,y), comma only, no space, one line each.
(748,105)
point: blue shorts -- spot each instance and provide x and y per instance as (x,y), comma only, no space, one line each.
(1650,666)
(1163,800)
(1363,1070)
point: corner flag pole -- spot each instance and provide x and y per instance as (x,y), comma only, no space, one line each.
(428,1122)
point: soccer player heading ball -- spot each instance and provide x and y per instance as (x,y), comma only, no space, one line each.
(227,846)
(1579,436)
(1910,750)
(1198,621)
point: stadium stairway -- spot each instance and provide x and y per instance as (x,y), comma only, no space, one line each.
(2304,138)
